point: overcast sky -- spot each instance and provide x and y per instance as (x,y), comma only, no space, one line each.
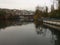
(24,4)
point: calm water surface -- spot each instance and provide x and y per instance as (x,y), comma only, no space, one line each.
(27,33)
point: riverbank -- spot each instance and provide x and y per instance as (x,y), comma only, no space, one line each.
(52,24)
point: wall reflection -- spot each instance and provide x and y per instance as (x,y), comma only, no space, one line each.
(42,30)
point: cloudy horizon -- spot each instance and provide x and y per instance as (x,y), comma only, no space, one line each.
(24,4)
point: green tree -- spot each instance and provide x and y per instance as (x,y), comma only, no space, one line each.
(2,14)
(38,14)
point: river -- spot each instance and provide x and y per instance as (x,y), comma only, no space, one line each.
(27,33)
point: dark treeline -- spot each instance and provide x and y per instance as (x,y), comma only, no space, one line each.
(43,12)
(13,13)
(55,13)
(7,14)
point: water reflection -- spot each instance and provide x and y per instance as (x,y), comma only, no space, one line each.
(39,27)
(55,34)
(7,23)
(26,34)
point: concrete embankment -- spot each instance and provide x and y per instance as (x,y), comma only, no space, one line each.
(52,24)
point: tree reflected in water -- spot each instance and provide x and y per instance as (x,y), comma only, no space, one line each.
(42,30)
(7,23)
(54,35)
(39,27)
